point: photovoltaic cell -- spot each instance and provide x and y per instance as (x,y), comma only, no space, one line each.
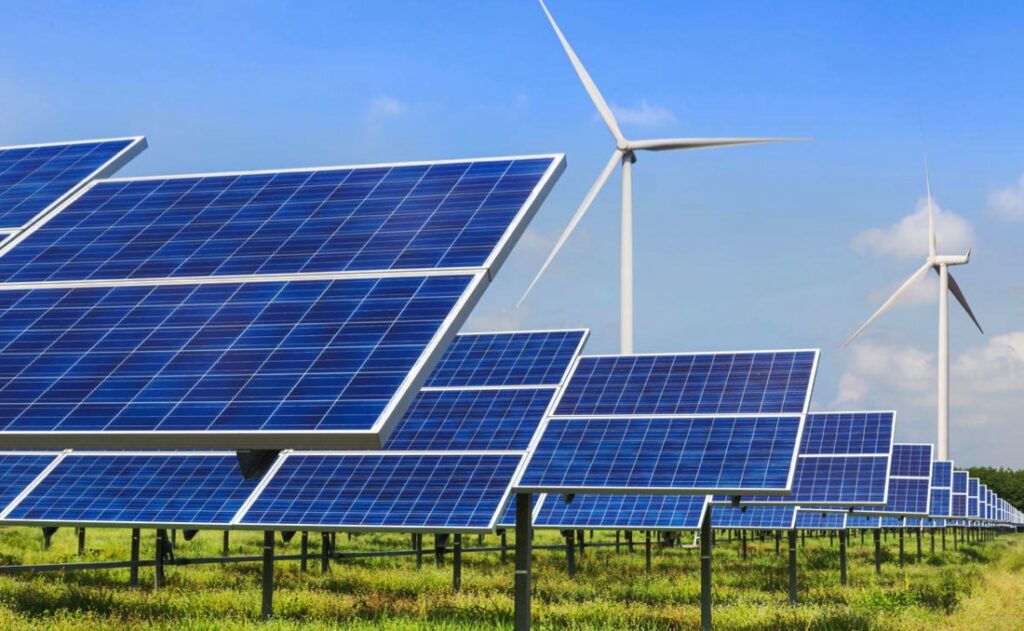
(472,419)
(299,355)
(818,520)
(621,455)
(708,383)
(635,512)
(401,217)
(34,177)
(531,358)
(375,491)
(152,488)
(748,517)
(17,471)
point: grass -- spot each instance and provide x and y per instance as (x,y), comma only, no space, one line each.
(977,586)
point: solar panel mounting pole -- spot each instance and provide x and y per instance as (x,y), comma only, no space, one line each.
(705,572)
(901,545)
(523,562)
(158,569)
(457,563)
(325,552)
(304,562)
(919,545)
(570,554)
(133,571)
(842,557)
(647,545)
(267,609)
(792,566)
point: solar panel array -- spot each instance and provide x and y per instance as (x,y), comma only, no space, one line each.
(306,308)
(35,177)
(843,460)
(675,424)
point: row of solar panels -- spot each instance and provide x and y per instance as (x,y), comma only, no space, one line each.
(305,308)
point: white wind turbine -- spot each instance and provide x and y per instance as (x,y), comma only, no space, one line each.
(947,285)
(625,156)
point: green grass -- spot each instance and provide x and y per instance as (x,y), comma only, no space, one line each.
(611,591)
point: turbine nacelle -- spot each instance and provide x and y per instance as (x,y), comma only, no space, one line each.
(950,259)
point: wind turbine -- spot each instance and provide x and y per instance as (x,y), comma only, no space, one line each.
(624,155)
(947,285)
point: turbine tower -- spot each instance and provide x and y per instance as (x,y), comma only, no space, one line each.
(947,285)
(624,155)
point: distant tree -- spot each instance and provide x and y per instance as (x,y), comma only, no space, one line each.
(1006,483)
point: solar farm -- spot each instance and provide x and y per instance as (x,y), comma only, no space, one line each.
(259,384)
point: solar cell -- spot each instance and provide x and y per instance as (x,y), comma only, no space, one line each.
(172,489)
(749,517)
(286,362)
(627,512)
(507,359)
(807,519)
(450,492)
(844,461)
(347,219)
(698,455)
(18,470)
(769,382)
(35,177)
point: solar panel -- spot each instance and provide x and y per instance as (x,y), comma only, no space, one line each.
(450,492)
(753,517)
(699,455)
(959,497)
(154,488)
(160,360)
(347,219)
(941,488)
(893,522)
(35,177)
(508,359)
(687,384)
(863,521)
(359,234)
(18,470)
(972,497)
(622,512)
(843,460)
(671,424)
(909,483)
(807,519)
(982,501)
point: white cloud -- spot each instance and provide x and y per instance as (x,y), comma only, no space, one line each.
(643,114)
(1008,202)
(985,394)
(908,238)
(381,109)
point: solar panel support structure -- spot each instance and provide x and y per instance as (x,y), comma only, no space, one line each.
(570,553)
(48,533)
(267,607)
(842,556)
(158,569)
(792,566)
(523,561)
(919,544)
(457,562)
(304,562)
(227,542)
(133,571)
(705,572)
(902,530)
(647,550)
(81,540)
(325,552)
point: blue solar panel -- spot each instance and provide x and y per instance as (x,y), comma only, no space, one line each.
(907,495)
(960,482)
(527,358)
(708,383)
(34,177)
(154,488)
(624,455)
(472,419)
(911,460)
(629,512)
(817,520)
(940,503)
(400,217)
(843,460)
(973,506)
(942,488)
(17,471)
(909,490)
(942,474)
(766,517)
(299,355)
(863,521)
(893,522)
(385,491)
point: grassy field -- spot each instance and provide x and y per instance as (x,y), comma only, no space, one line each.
(978,586)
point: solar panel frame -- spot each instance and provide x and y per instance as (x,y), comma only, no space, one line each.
(135,146)
(576,489)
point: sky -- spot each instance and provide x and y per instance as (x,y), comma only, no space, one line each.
(767,247)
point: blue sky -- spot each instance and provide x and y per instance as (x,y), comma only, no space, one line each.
(754,247)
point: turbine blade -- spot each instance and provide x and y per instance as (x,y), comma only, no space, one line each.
(671,144)
(893,299)
(931,212)
(954,289)
(582,210)
(602,108)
